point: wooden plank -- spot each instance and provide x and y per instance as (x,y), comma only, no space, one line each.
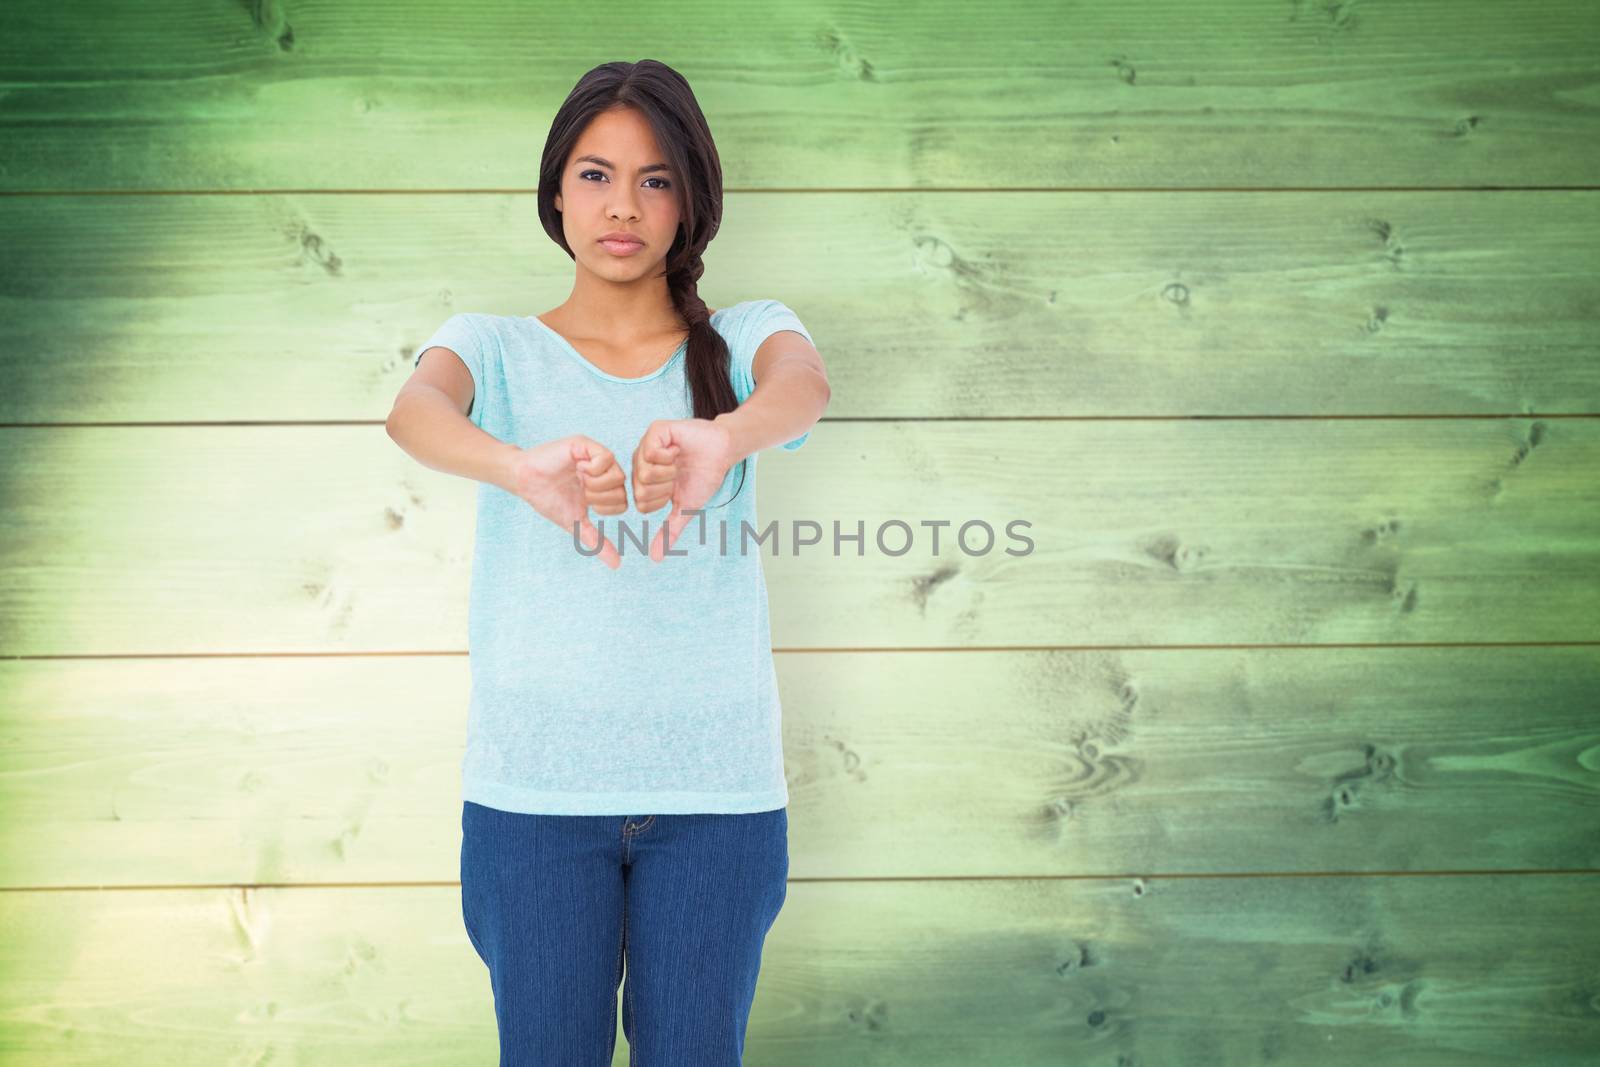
(1018,972)
(307,307)
(329,769)
(1013,855)
(1260,93)
(203,539)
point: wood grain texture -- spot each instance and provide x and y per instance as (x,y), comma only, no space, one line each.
(971,305)
(1276,319)
(146,540)
(1165,94)
(901,765)
(1472,970)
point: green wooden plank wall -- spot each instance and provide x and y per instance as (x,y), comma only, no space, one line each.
(1276,318)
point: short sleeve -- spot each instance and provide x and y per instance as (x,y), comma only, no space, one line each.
(461,336)
(759,320)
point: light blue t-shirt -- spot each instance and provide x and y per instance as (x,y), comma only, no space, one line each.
(642,690)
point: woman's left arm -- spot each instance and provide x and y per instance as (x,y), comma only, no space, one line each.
(790,395)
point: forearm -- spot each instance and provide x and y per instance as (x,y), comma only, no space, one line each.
(429,427)
(782,406)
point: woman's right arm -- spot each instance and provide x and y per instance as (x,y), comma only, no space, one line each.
(560,479)
(429,421)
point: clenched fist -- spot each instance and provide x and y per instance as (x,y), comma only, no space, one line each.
(564,478)
(681,460)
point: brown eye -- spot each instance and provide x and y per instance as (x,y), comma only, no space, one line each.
(664,183)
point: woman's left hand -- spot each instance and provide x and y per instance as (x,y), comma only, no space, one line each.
(681,460)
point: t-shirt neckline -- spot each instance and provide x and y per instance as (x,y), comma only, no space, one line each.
(568,347)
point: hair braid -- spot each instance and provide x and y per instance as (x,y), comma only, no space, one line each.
(682,283)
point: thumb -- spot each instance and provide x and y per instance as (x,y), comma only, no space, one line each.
(590,537)
(670,530)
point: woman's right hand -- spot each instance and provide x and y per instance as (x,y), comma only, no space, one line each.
(564,478)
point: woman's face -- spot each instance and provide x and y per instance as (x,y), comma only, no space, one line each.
(616,180)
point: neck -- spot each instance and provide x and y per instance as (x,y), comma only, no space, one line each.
(598,307)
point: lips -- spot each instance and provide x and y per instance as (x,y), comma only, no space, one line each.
(621,247)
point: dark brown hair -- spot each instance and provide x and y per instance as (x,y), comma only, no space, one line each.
(667,103)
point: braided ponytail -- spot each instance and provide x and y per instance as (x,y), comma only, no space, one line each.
(706,367)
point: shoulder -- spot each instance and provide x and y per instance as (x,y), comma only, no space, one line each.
(745,308)
(493,332)
(480,338)
(468,325)
(487,320)
(751,321)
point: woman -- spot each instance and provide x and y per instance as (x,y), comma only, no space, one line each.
(625,807)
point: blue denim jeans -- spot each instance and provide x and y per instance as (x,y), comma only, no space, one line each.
(556,905)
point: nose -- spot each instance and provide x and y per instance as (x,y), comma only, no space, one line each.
(621,204)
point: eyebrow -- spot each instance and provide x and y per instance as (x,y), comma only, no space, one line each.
(607,163)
